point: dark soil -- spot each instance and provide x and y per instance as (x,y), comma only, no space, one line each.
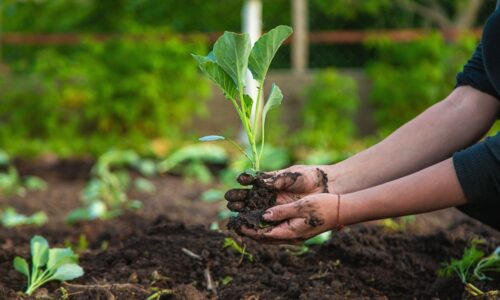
(255,202)
(134,255)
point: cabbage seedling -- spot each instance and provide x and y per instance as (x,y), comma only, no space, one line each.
(47,264)
(227,66)
(9,217)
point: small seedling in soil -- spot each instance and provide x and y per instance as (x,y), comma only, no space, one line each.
(231,243)
(158,293)
(105,195)
(472,266)
(47,264)
(320,239)
(227,280)
(227,65)
(10,181)
(9,217)
(80,246)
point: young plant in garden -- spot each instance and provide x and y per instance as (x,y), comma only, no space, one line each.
(105,195)
(47,264)
(231,243)
(227,65)
(11,183)
(9,217)
(472,266)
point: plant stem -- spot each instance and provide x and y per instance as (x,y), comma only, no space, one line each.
(246,124)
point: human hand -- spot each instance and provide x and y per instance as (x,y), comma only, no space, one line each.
(299,220)
(289,184)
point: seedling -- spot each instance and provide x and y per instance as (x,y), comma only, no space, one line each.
(231,243)
(320,239)
(227,280)
(227,66)
(11,183)
(105,195)
(9,217)
(490,263)
(472,266)
(47,264)
(158,293)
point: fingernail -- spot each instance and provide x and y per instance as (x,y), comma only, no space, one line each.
(267,215)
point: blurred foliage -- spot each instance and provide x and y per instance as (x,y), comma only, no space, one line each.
(9,217)
(409,77)
(328,115)
(105,195)
(191,161)
(11,183)
(121,93)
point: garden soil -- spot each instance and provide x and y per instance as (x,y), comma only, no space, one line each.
(168,247)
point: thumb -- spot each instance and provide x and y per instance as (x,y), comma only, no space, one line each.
(281,212)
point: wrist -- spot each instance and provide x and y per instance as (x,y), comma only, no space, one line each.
(337,183)
(351,210)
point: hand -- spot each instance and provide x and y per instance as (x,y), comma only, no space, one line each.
(291,184)
(300,220)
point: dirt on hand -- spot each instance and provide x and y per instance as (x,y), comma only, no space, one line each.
(252,203)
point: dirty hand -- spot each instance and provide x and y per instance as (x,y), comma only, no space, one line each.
(299,220)
(290,184)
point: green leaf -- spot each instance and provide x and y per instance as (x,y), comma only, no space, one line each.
(60,256)
(35,183)
(68,272)
(211,138)
(231,52)
(265,49)
(220,77)
(21,266)
(274,100)
(39,251)
(320,239)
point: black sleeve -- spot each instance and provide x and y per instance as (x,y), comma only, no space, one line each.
(474,74)
(478,170)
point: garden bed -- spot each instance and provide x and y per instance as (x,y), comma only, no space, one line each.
(169,247)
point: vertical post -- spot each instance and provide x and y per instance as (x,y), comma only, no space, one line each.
(252,24)
(300,45)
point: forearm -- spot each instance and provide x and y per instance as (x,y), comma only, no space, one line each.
(430,189)
(452,124)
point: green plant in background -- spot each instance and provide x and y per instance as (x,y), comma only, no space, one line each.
(121,93)
(320,239)
(332,101)
(228,64)
(191,161)
(398,224)
(105,195)
(47,264)
(472,266)
(10,181)
(9,217)
(407,78)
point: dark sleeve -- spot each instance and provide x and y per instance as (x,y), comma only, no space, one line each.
(478,171)
(474,74)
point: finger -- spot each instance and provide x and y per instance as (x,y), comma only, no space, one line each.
(245,179)
(281,212)
(237,206)
(236,195)
(285,180)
